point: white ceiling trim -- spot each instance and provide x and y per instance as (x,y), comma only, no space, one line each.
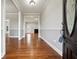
(31,14)
(16,4)
(11,13)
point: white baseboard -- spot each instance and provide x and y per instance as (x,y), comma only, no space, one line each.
(14,36)
(17,37)
(52,46)
(2,55)
(22,37)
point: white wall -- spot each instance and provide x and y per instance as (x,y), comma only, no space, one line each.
(30,26)
(13,18)
(51,24)
(14,24)
(3,36)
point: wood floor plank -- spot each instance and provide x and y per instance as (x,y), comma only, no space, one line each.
(30,47)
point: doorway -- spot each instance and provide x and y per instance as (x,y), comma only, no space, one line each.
(31,25)
(7,27)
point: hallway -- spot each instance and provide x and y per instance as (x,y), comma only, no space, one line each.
(30,47)
(55,22)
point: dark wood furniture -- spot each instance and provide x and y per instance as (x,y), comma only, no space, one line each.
(35,30)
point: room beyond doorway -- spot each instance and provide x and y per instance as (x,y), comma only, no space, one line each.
(31,24)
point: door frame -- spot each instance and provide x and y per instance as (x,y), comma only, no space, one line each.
(26,22)
(8,27)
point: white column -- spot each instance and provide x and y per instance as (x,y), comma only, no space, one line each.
(19,25)
(24,28)
(39,26)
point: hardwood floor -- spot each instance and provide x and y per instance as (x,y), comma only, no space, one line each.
(31,47)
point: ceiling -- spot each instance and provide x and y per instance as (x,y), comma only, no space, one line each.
(25,6)
(10,7)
